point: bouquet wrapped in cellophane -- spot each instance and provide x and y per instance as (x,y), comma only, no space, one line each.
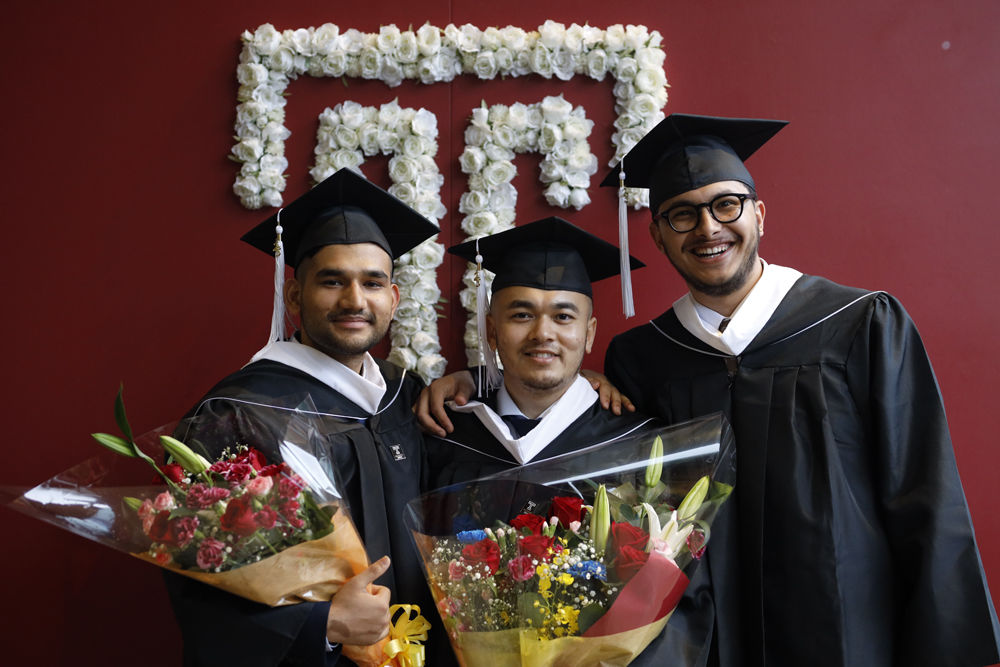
(243,496)
(579,559)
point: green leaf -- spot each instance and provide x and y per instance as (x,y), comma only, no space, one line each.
(532,606)
(120,414)
(589,615)
(114,443)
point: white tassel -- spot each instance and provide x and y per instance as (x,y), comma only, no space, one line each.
(277,333)
(628,306)
(489,372)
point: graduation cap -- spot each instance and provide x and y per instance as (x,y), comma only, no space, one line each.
(344,209)
(548,254)
(685,152)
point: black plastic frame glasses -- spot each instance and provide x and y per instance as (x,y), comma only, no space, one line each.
(683,218)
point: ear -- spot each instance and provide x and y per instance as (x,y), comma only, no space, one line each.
(591,334)
(654,231)
(759,210)
(395,299)
(293,296)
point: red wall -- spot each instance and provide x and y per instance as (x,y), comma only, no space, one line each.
(120,229)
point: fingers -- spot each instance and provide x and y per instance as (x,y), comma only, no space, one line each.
(370,573)
(423,412)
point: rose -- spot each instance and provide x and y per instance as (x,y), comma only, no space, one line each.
(428,39)
(345,137)
(557,194)
(265,39)
(614,37)
(597,64)
(424,292)
(567,509)
(424,343)
(496,152)
(521,568)
(403,357)
(576,128)
(211,553)
(485,65)
(532,522)
(173,472)
(498,173)
(650,80)
(540,60)
(272,470)
(635,36)
(480,224)
(539,547)
(472,159)
(370,60)
(484,552)
(515,39)
(324,39)
(403,169)
(628,561)
(239,517)
(260,486)
(563,65)
(578,198)
(431,366)
(473,202)
(627,69)
(625,534)
(552,34)
(643,105)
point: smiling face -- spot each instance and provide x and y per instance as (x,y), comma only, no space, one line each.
(717,260)
(541,337)
(345,299)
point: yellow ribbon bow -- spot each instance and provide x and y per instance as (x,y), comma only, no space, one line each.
(407,628)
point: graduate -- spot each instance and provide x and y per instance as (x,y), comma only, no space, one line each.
(540,322)
(848,540)
(340,238)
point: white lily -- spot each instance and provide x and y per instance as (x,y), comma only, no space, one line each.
(669,539)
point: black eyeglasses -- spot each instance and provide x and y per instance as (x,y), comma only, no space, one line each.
(724,208)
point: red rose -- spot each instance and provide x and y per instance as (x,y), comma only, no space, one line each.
(174,472)
(567,509)
(173,532)
(159,530)
(238,518)
(628,561)
(532,522)
(536,546)
(484,551)
(272,470)
(625,534)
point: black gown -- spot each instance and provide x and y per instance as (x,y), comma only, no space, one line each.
(848,540)
(379,459)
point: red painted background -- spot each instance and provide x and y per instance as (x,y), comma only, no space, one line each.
(121,259)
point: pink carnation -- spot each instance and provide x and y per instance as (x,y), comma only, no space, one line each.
(164,501)
(290,486)
(183,530)
(202,497)
(234,473)
(211,553)
(456,571)
(266,517)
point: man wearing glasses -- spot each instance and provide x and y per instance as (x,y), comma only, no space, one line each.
(848,540)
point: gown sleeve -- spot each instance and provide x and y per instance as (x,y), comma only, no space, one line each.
(945,614)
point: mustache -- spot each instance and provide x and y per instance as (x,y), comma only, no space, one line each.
(365,315)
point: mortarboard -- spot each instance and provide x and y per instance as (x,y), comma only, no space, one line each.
(685,152)
(345,208)
(548,254)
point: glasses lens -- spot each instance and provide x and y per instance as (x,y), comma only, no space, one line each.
(683,218)
(727,208)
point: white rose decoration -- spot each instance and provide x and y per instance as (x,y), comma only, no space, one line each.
(428,39)
(423,343)
(497,173)
(485,66)
(597,64)
(431,366)
(479,224)
(403,357)
(551,34)
(266,40)
(557,194)
(579,198)
(472,160)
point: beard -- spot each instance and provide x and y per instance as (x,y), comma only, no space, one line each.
(341,346)
(732,284)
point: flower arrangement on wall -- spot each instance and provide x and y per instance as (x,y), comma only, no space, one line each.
(270,59)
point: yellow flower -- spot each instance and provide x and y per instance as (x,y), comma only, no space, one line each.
(565,578)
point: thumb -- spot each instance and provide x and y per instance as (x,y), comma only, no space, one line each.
(372,572)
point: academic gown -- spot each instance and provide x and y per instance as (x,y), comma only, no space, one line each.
(848,540)
(379,459)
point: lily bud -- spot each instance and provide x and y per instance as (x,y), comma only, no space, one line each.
(654,471)
(191,461)
(600,519)
(693,500)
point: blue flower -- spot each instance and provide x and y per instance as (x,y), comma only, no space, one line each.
(593,568)
(470,536)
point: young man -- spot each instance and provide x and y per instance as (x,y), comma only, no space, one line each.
(341,238)
(848,540)
(540,322)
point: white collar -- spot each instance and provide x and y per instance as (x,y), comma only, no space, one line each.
(365,389)
(507,406)
(748,318)
(577,399)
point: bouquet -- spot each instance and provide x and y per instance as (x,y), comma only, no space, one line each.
(579,559)
(245,497)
